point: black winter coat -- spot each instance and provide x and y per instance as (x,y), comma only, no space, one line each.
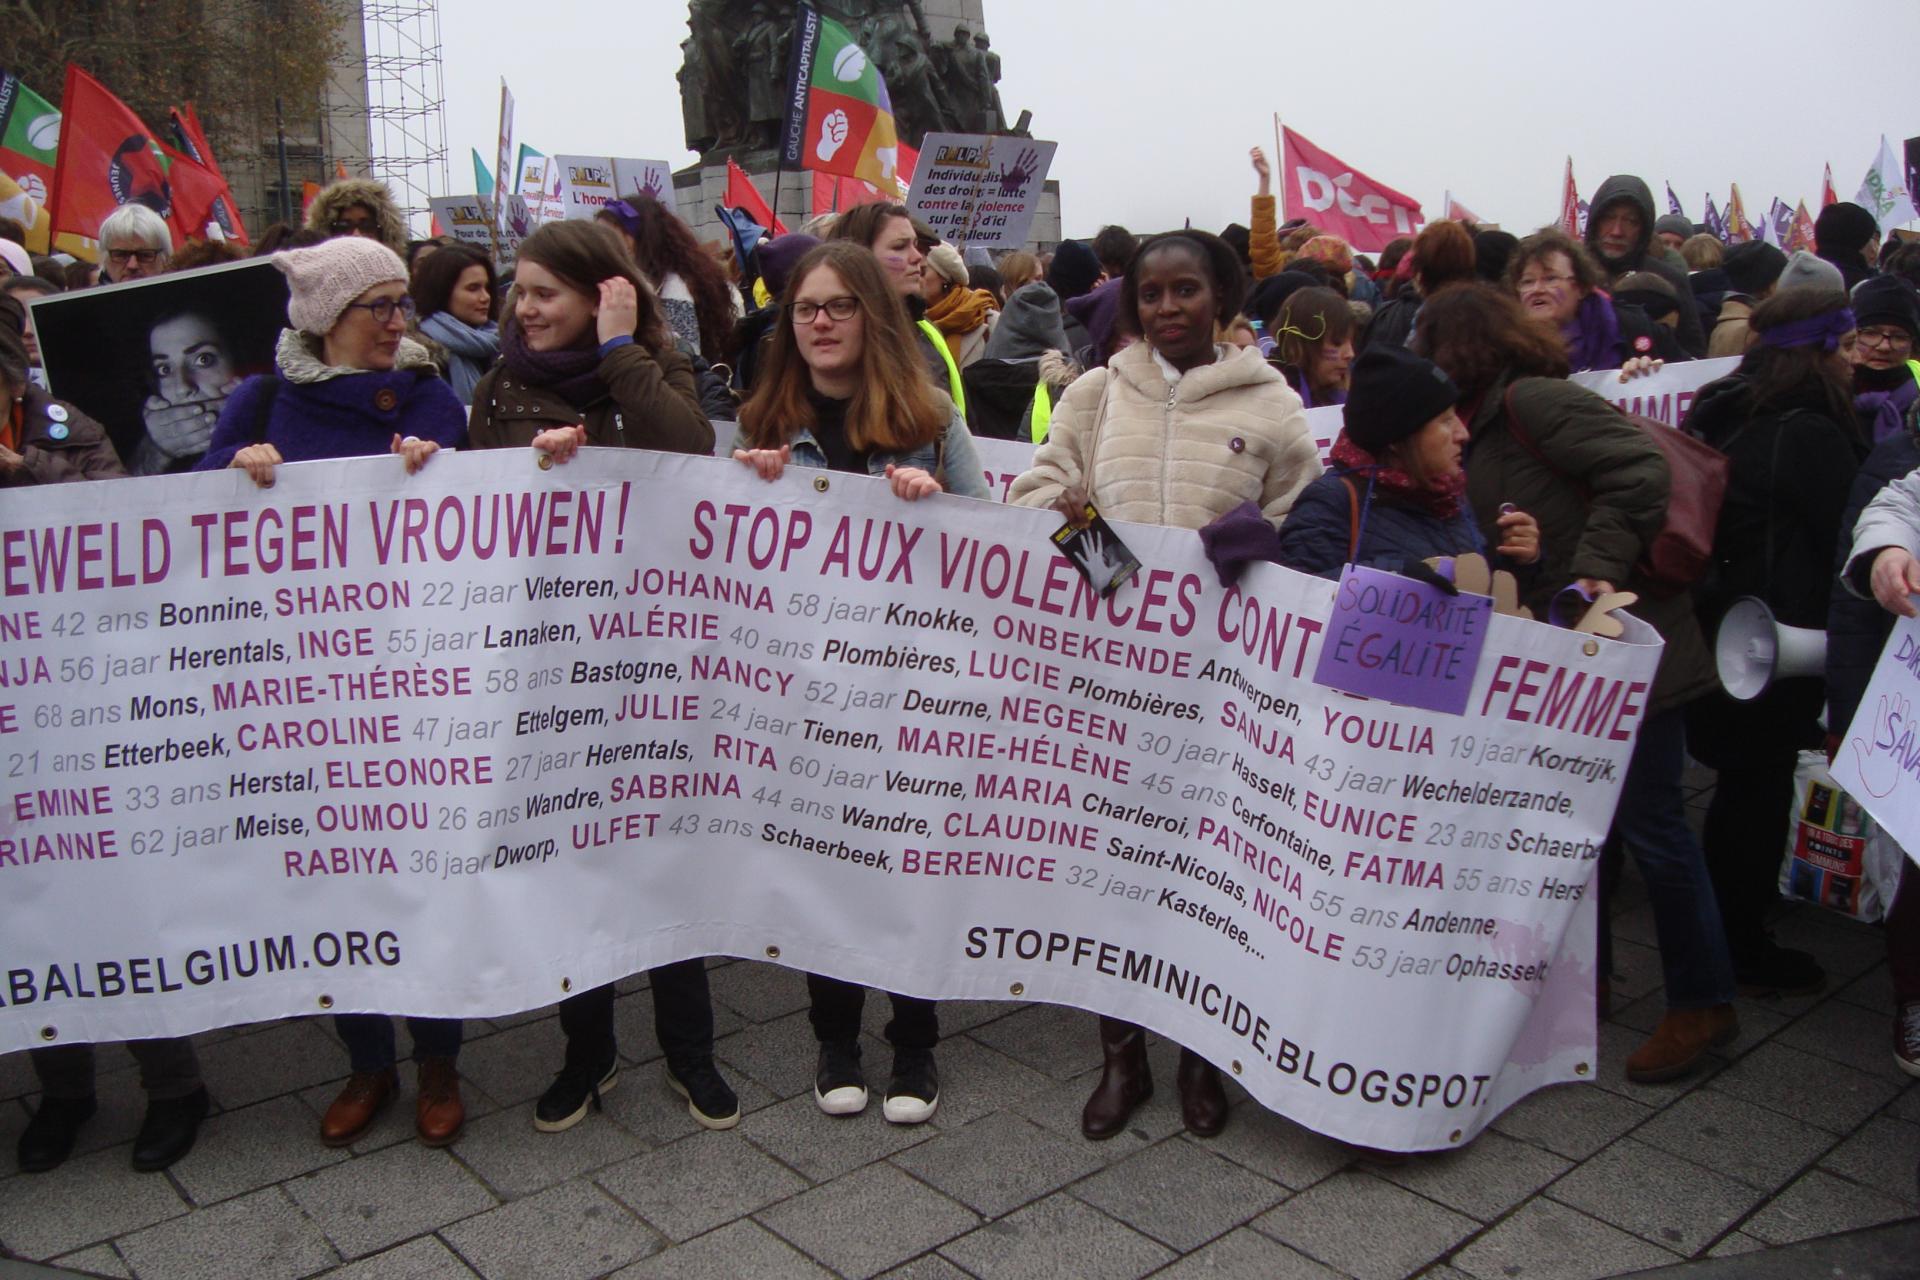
(1318,533)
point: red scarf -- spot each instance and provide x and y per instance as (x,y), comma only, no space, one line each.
(1389,484)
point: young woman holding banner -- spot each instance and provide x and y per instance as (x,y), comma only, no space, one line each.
(1177,431)
(843,389)
(586,358)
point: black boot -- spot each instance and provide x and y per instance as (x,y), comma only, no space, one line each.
(48,1139)
(169,1130)
(1126,1081)
(1203,1102)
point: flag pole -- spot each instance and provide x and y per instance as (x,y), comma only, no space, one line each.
(1280,160)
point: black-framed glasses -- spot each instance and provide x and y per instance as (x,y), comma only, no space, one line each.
(383,308)
(146,257)
(1884,338)
(843,308)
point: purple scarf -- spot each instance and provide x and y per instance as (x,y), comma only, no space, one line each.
(572,373)
(1889,408)
(1593,340)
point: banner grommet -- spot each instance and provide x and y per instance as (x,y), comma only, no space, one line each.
(566,984)
(1591,648)
(773,953)
(49,1034)
(546,462)
(326,1001)
(1236,1067)
(821,484)
(1581,1069)
(1454,1136)
(1017,989)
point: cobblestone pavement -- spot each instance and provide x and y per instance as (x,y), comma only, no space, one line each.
(1802,1128)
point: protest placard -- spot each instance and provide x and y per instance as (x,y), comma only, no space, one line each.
(586,183)
(1404,641)
(458,743)
(1664,395)
(980,189)
(469,219)
(153,360)
(1878,763)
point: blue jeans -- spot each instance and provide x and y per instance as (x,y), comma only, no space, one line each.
(369,1038)
(1686,916)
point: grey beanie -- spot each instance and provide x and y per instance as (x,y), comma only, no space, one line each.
(1675,223)
(1805,269)
(1029,325)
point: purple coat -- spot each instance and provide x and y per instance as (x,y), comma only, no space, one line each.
(350,416)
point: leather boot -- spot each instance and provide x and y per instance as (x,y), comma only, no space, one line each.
(438,1112)
(1680,1041)
(1125,1080)
(1203,1102)
(366,1096)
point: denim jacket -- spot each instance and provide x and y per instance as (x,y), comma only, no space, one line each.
(966,475)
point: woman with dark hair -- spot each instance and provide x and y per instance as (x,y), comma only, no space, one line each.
(586,357)
(842,389)
(1598,488)
(1178,431)
(1313,345)
(1786,423)
(693,291)
(1558,279)
(193,366)
(889,231)
(458,298)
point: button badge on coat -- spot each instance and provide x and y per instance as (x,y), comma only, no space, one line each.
(58,431)
(385,399)
(1237,445)
(57,413)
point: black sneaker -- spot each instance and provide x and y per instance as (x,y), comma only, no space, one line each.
(48,1138)
(839,1086)
(168,1131)
(710,1099)
(914,1091)
(576,1088)
(1774,970)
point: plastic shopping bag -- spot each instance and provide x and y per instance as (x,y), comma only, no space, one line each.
(1836,855)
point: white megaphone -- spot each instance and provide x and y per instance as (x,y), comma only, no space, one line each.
(1753,650)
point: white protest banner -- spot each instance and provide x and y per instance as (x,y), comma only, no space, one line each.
(469,219)
(583,184)
(978,188)
(457,743)
(1665,395)
(1878,763)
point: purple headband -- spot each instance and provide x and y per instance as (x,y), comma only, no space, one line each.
(628,216)
(1826,330)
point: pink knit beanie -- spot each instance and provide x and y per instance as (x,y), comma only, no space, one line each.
(324,278)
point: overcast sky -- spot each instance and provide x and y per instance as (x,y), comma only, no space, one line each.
(1154,104)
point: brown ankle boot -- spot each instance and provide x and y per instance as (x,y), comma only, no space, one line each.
(366,1095)
(1680,1041)
(1203,1102)
(1125,1080)
(439,1114)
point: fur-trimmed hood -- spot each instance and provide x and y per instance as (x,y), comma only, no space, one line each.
(338,198)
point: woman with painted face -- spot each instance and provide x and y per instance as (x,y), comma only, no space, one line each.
(1313,345)
(458,299)
(888,230)
(1557,279)
(586,358)
(1176,430)
(843,389)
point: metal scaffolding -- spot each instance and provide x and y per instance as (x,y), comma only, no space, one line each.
(406,103)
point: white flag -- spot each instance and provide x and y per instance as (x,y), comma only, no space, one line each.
(1884,191)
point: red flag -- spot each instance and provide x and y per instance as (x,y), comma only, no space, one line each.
(186,124)
(742,194)
(1457,212)
(1801,236)
(1336,197)
(1827,194)
(108,158)
(1570,204)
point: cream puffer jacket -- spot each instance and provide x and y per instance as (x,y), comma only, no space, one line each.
(1227,433)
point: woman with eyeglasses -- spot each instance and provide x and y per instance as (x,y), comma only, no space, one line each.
(1886,377)
(843,389)
(1557,279)
(348,381)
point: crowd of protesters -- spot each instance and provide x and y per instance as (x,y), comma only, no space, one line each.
(1164,379)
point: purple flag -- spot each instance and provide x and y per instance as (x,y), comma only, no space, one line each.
(1673,202)
(1780,223)
(1716,225)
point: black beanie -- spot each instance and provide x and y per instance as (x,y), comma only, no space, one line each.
(1887,300)
(1393,394)
(1074,270)
(1753,267)
(1843,228)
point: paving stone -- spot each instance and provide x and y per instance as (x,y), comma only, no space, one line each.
(1907,1105)
(1058,1238)
(696,1185)
(1051,1038)
(1573,1120)
(644,1106)
(1871,990)
(425,1258)
(515,1159)
(783,1054)
(1861,1038)
(1819,1091)
(1276,1148)
(86,1200)
(1057,1108)
(17,1079)
(1483,1179)
(928,1266)
(843,1226)
(1636,971)
(1153,1192)
(995,1165)
(100,1260)
(1736,1244)
(735,1252)
(374,1201)
(1660,1197)
(255,1237)
(823,1147)
(1616,1042)
(1845,948)
(284,1058)
(1365,1227)
(570,1232)
(1733,1136)
(1820,1204)
(516,1065)
(976,1081)
(758,991)
(395,1124)
(254,1147)
(1881,1156)
(1246,1255)
(1548,1241)
(959,1016)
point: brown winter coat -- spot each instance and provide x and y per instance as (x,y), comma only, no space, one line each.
(84,453)
(1730,333)
(650,402)
(1603,497)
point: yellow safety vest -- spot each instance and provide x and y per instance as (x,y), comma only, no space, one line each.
(953,370)
(1042,415)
